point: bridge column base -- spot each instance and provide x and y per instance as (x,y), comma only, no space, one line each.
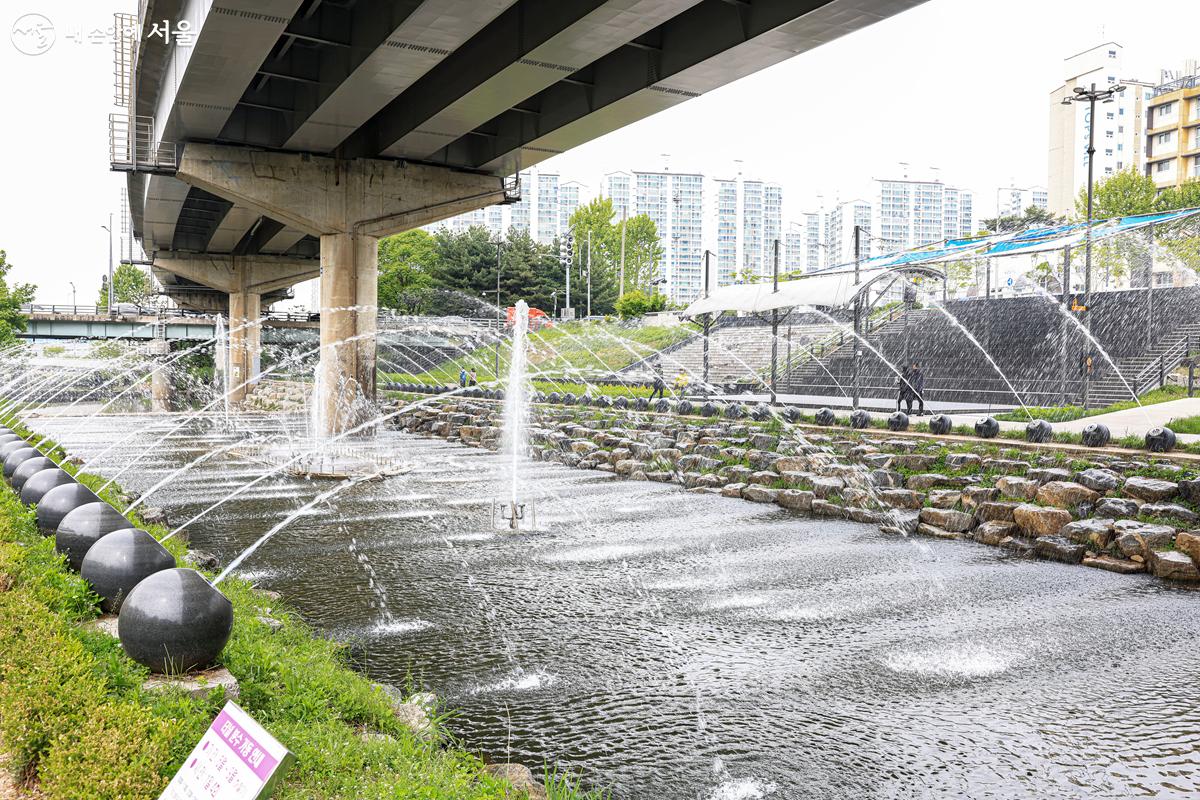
(245,343)
(345,386)
(160,391)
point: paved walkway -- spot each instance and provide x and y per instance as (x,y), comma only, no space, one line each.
(1131,422)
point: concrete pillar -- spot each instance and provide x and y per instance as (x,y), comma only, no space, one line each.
(160,390)
(346,375)
(245,342)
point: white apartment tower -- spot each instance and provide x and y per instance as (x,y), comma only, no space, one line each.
(675,203)
(1012,201)
(618,187)
(742,222)
(1118,130)
(914,213)
(839,232)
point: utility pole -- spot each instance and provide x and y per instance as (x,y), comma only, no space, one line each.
(621,291)
(111,308)
(589,274)
(857,393)
(775,327)
(1066,299)
(567,263)
(499,325)
(1090,96)
(707,317)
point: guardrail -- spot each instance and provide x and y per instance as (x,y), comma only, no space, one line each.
(1154,374)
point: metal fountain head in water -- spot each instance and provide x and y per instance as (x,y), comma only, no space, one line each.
(510,514)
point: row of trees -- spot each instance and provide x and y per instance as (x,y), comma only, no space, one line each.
(456,272)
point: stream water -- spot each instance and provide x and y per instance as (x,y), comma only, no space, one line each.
(672,645)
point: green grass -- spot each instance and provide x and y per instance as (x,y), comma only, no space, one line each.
(569,349)
(75,721)
(1067,413)
(1185,424)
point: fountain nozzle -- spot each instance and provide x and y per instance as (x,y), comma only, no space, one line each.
(511,513)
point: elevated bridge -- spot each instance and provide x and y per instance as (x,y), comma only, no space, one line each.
(281,138)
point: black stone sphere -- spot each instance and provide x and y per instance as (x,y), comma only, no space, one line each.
(539,397)
(940,424)
(585,399)
(60,501)
(662,405)
(1096,435)
(120,561)
(500,394)
(1160,440)
(83,527)
(603,401)
(824,416)
(16,458)
(709,410)
(175,621)
(859,418)
(621,402)
(1039,431)
(761,412)
(684,407)
(641,403)
(13,446)
(4,430)
(568,399)
(735,411)
(898,421)
(29,468)
(554,397)
(792,414)
(9,437)
(987,428)
(41,482)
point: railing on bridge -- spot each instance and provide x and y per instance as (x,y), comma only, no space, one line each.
(132,147)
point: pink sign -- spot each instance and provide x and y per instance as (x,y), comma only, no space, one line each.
(236,759)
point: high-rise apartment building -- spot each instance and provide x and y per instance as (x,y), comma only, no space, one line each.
(814,247)
(1118,126)
(840,223)
(913,213)
(618,187)
(1012,201)
(675,203)
(546,214)
(1173,130)
(742,222)
(793,248)
(570,197)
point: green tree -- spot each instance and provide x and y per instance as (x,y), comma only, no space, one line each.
(131,284)
(643,252)
(1121,194)
(1032,217)
(405,263)
(11,300)
(635,303)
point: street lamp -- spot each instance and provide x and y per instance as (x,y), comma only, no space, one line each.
(108,228)
(1090,96)
(72,296)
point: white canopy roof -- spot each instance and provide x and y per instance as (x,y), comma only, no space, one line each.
(831,290)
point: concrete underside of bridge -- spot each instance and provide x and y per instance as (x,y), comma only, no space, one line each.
(349,204)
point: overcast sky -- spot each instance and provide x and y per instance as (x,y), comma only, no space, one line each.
(960,85)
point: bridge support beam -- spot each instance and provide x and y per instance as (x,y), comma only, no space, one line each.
(349,204)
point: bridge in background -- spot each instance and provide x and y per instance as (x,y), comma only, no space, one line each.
(288,135)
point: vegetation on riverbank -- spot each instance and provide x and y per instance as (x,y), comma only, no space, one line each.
(76,722)
(567,350)
(1185,425)
(1068,413)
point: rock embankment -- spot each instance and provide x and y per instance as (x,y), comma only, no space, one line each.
(1111,512)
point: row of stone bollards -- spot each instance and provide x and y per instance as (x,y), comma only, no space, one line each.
(170,619)
(1038,431)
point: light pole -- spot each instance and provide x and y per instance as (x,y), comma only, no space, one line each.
(496,371)
(72,296)
(108,228)
(1090,96)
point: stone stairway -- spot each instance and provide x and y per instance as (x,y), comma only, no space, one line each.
(839,345)
(737,353)
(1142,372)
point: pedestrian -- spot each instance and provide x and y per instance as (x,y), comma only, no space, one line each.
(462,378)
(474,377)
(905,389)
(659,385)
(918,389)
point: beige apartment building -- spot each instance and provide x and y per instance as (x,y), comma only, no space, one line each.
(1173,132)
